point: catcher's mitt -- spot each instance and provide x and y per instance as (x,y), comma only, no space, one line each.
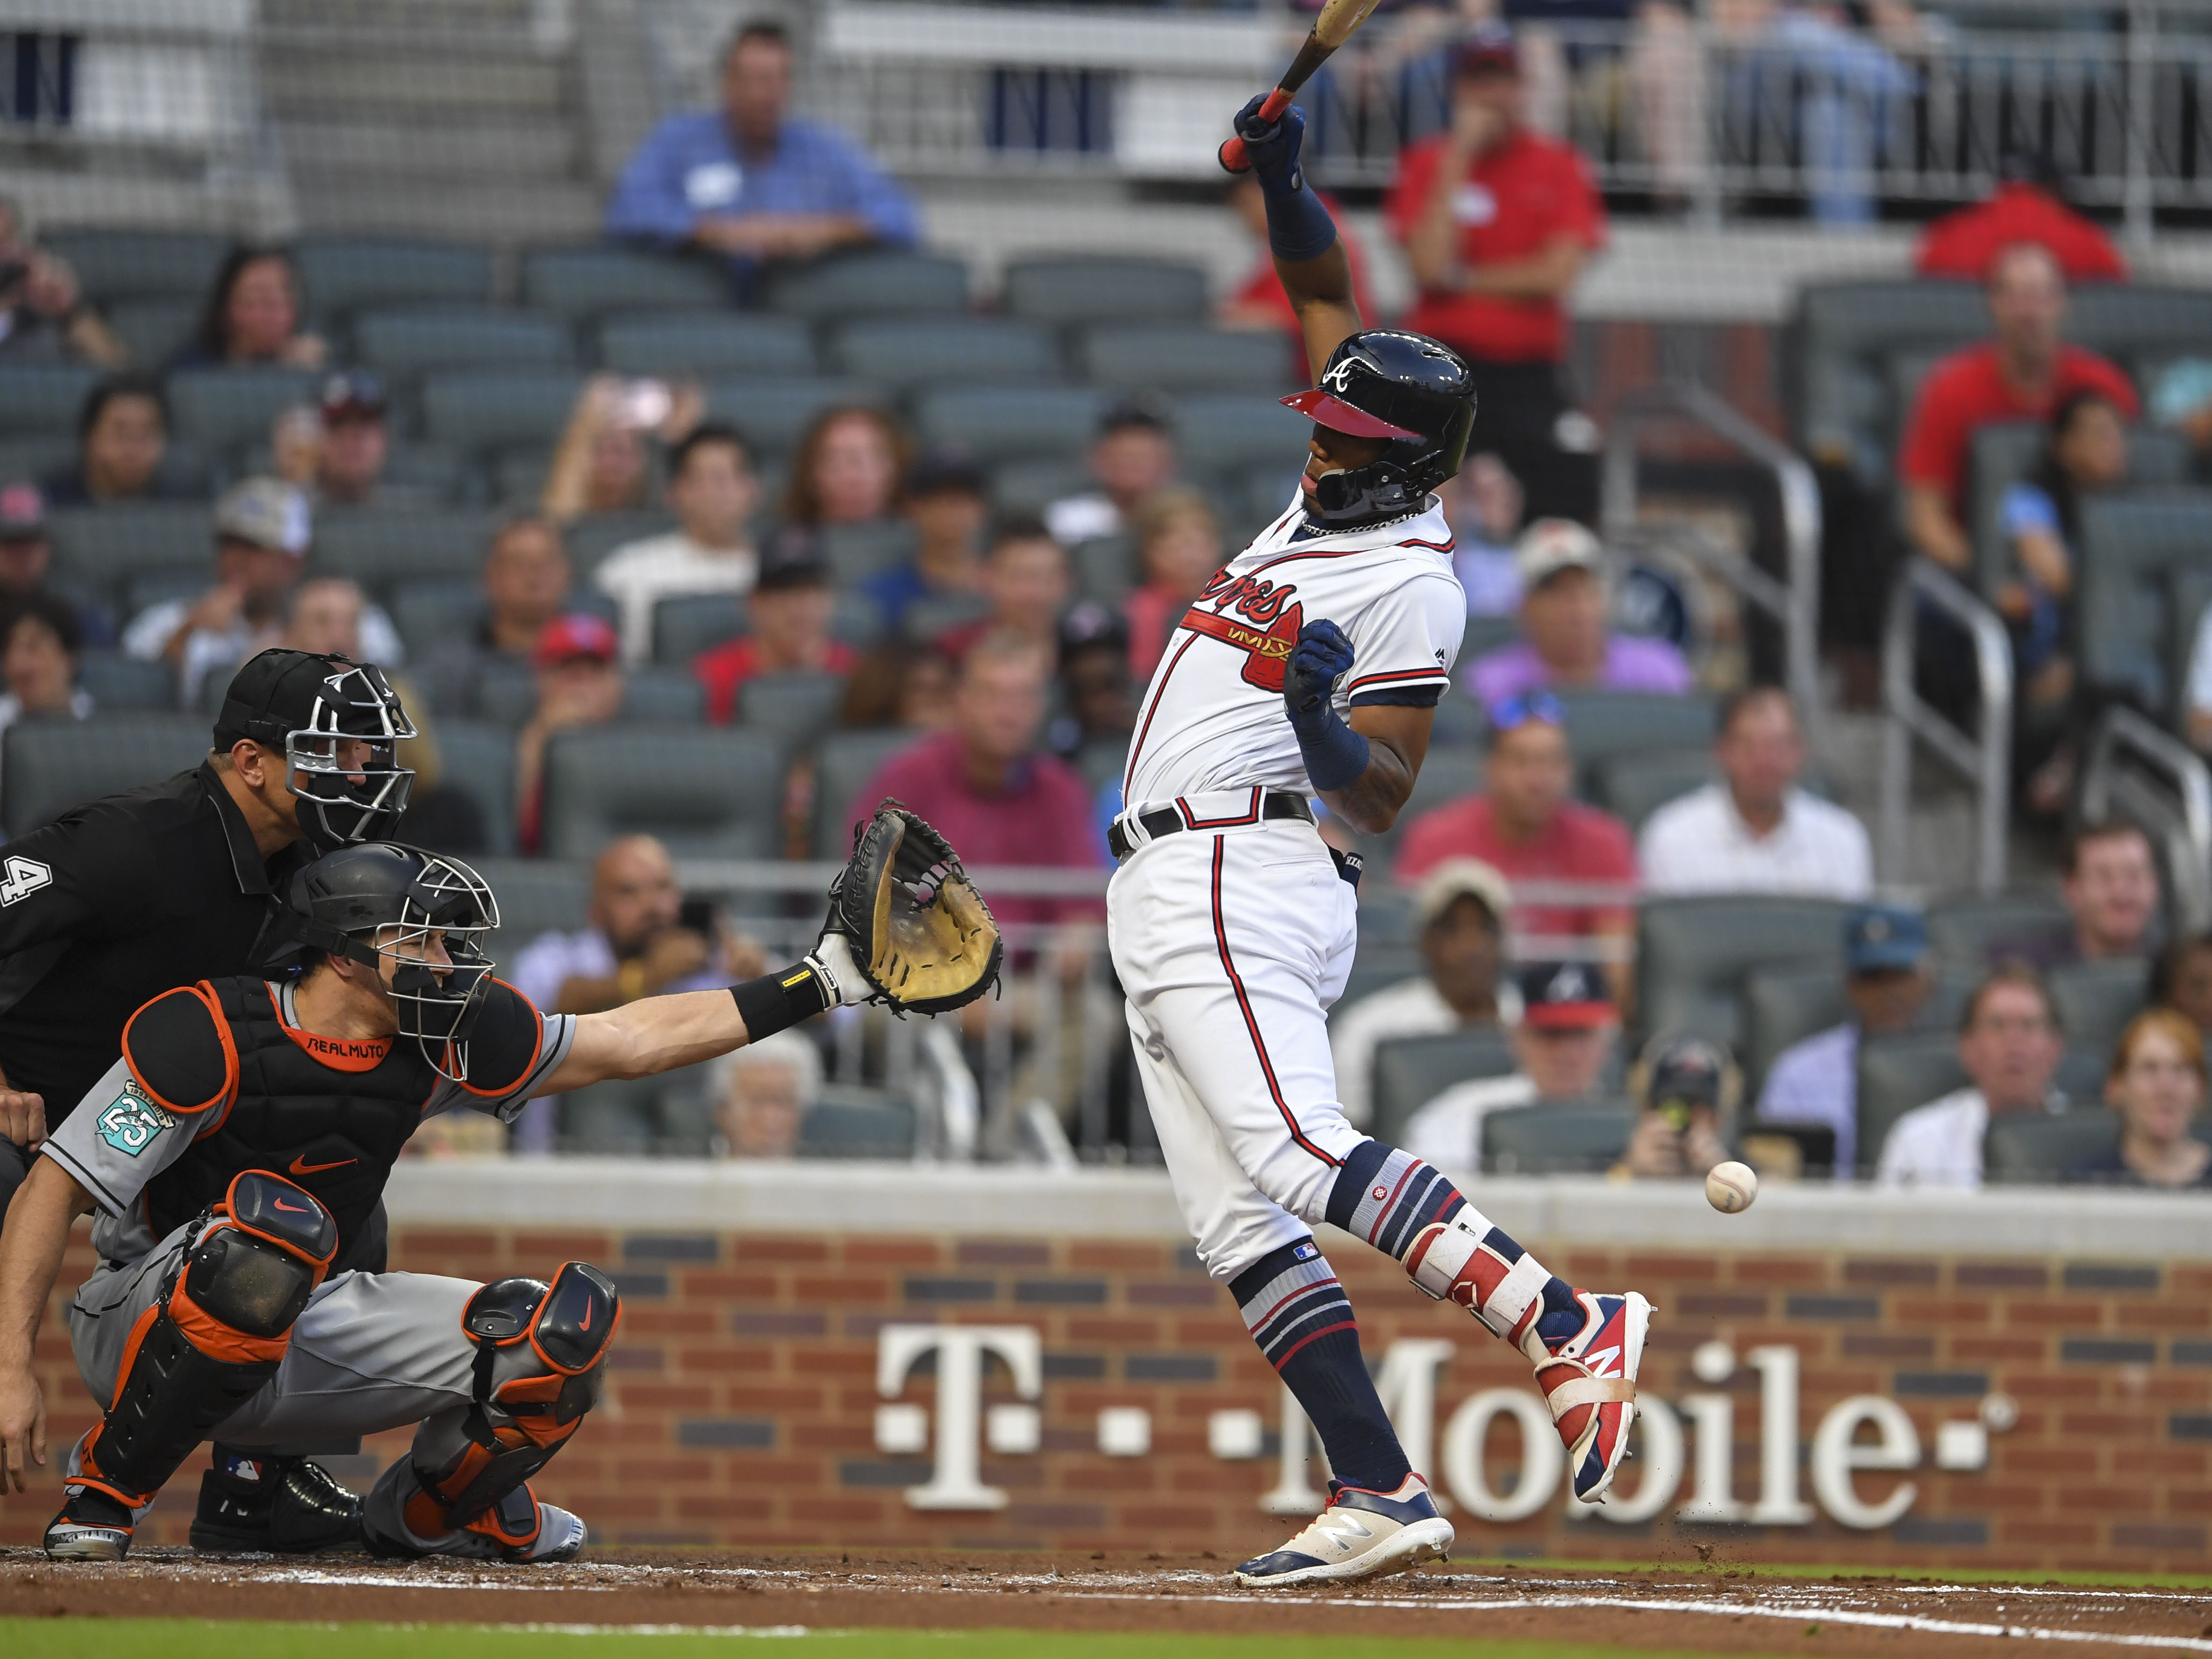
(919,931)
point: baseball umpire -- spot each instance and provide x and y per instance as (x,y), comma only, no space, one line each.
(237,1149)
(162,885)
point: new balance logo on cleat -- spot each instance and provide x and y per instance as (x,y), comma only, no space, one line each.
(1361,1534)
(1588,1382)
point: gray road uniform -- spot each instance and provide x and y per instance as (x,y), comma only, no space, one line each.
(235,1160)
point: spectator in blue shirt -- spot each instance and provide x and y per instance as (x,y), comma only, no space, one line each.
(751,184)
(1816,1081)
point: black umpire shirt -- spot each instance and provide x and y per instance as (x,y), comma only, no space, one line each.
(109,906)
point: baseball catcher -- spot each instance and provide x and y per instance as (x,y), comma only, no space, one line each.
(236,1149)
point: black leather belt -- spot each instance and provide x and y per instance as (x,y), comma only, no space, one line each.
(1166,820)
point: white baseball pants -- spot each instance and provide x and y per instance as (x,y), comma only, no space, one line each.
(1231,944)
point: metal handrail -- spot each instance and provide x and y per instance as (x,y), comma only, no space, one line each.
(1793,601)
(2182,819)
(1985,761)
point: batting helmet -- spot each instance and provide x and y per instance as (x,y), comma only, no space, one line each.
(1405,388)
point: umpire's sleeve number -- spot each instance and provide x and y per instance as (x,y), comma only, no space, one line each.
(24,877)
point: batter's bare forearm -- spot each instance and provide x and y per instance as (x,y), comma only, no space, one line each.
(31,1247)
(1371,802)
(1320,291)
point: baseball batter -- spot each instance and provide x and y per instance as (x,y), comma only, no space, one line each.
(1311,665)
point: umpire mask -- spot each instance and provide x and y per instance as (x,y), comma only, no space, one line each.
(339,725)
(387,901)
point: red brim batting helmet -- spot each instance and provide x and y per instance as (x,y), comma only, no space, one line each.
(1414,395)
(1339,416)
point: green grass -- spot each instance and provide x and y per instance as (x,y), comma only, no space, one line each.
(185,1638)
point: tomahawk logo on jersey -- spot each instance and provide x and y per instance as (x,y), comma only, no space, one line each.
(1213,718)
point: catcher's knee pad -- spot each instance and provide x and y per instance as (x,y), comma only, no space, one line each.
(540,1350)
(218,1333)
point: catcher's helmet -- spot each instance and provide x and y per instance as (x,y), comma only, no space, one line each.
(1406,388)
(367,903)
(304,705)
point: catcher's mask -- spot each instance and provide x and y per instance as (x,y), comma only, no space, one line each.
(308,706)
(390,900)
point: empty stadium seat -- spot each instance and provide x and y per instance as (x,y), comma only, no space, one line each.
(933,351)
(1227,432)
(1082,289)
(794,709)
(1005,424)
(591,538)
(120,684)
(431,609)
(684,624)
(843,763)
(710,792)
(44,398)
(1033,485)
(410,340)
(1410,1072)
(477,759)
(1966,931)
(858,551)
(1834,386)
(663,696)
(871,282)
(702,343)
(856,1123)
(47,766)
(127,265)
(33,459)
(1693,954)
(1106,568)
(340,275)
(1634,787)
(155,329)
(775,415)
(2096,1000)
(2129,544)
(1601,725)
(226,408)
(479,409)
(1784,1005)
(2134,320)
(1897,1075)
(100,547)
(578,282)
(2038,1147)
(1585,1138)
(1182,358)
(939,613)
(535,896)
(382,549)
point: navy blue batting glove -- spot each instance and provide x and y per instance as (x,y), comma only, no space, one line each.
(1274,145)
(1322,654)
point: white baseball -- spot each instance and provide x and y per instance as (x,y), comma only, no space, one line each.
(1730,1187)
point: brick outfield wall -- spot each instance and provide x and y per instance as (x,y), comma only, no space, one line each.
(742,1409)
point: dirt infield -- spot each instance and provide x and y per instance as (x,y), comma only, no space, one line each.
(1716,1610)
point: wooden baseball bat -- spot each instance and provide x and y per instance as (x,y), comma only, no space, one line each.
(1338,18)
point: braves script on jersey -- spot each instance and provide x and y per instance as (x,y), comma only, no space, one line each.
(1213,716)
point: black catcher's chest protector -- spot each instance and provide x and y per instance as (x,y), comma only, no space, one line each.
(330,1116)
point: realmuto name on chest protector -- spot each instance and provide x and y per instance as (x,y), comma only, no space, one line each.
(1260,618)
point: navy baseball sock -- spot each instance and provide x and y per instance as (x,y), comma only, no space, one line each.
(1398,1204)
(1299,1316)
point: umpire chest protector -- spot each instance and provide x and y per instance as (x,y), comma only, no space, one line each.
(330,1114)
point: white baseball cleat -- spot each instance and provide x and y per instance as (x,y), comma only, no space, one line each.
(1361,1534)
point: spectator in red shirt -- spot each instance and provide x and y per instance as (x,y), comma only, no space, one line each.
(1178,550)
(2019,375)
(2027,207)
(986,787)
(1497,221)
(1525,825)
(792,601)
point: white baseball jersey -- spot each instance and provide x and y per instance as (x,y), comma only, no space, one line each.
(1213,716)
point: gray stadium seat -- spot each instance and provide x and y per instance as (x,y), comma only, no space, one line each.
(382,549)
(431,609)
(1410,1072)
(684,624)
(880,282)
(120,684)
(340,275)
(1005,423)
(1898,1074)
(2096,1000)
(2039,1147)
(47,766)
(858,551)
(698,344)
(618,1118)
(44,398)
(775,415)
(858,621)
(225,408)
(1692,955)
(22,459)
(1182,358)
(856,1123)
(843,763)
(577,282)
(126,264)
(1033,485)
(412,340)
(939,613)
(591,538)
(535,896)
(477,759)
(1228,432)
(2129,544)
(663,696)
(2133,320)
(486,408)
(933,351)
(794,709)
(1081,289)
(2006,453)
(1634,787)
(1106,568)
(100,547)
(1583,1138)
(1836,391)
(1784,1005)
(708,792)
(1102,761)
(1601,725)
(155,329)
(1966,931)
